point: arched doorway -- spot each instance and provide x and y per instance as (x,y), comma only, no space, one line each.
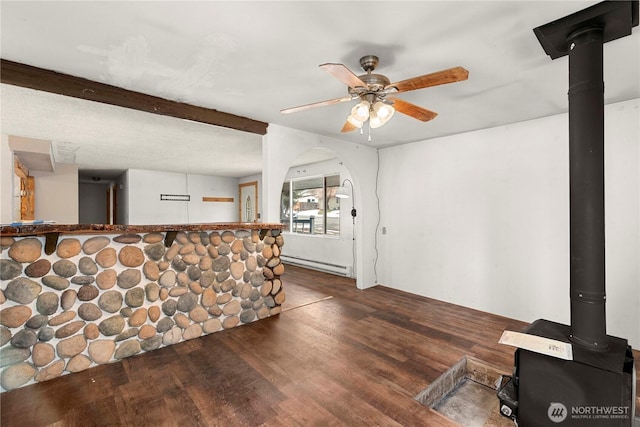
(319,226)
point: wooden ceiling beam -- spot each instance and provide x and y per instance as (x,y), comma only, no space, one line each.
(17,74)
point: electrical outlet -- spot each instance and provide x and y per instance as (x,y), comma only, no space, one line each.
(384,230)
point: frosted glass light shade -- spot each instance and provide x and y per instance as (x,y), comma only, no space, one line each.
(354,121)
(361,111)
(384,111)
(342,193)
(374,120)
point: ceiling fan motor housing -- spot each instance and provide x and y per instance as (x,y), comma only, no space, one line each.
(375,83)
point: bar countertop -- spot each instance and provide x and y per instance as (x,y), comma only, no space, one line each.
(43,229)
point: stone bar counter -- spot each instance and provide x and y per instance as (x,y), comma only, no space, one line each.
(77,296)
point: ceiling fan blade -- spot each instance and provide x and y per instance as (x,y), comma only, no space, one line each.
(413,110)
(316,105)
(344,74)
(451,75)
(348,127)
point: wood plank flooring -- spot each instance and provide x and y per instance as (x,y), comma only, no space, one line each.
(335,356)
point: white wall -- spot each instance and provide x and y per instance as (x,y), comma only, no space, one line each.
(200,186)
(122,199)
(145,207)
(482,219)
(282,146)
(57,194)
(6,181)
(622,219)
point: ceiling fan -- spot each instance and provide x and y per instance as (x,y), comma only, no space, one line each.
(375,92)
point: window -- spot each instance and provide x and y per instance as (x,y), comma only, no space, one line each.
(310,205)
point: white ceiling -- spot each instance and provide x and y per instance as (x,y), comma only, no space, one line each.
(255,58)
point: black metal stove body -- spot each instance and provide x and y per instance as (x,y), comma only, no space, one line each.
(596,387)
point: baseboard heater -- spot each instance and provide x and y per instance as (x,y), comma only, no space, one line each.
(326,267)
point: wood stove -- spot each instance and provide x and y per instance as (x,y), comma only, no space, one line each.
(595,385)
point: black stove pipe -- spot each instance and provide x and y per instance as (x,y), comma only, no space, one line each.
(586,174)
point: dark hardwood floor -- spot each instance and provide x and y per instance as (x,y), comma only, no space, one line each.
(335,356)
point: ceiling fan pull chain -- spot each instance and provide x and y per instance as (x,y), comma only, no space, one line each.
(369,131)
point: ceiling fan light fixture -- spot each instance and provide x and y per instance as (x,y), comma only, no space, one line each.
(374,120)
(384,111)
(361,111)
(354,121)
(372,90)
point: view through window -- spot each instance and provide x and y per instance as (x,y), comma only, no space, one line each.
(310,205)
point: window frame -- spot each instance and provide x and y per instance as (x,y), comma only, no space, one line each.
(324,205)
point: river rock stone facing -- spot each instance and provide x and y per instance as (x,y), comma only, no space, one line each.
(134,297)
(111,301)
(43,354)
(147,332)
(22,290)
(87,293)
(25,250)
(17,375)
(9,269)
(39,268)
(99,299)
(47,303)
(91,331)
(78,363)
(95,244)
(37,321)
(129,278)
(69,329)
(101,351)
(55,282)
(87,266)
(151,343)
(25,338)
(187,302)
(65,268)
(107,257)
(127,238)
(106,279)
(51,371)
(14,317)
(82,280)
(69,347)
(11,355)
(46,334)
(154,313)
(89,311)
(127,348)
(62,318)
(131,256)
(68,248)
(155,251)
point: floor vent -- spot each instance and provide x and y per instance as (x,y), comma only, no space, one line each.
(466,394)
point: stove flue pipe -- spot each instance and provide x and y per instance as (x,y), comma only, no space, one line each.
(586,175)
